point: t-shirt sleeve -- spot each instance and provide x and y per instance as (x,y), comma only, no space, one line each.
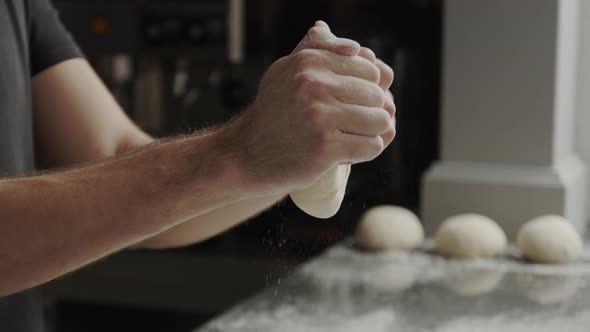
(49,41)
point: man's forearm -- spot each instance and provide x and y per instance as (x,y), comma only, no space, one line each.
(206,225)
(210,224)
(54,223)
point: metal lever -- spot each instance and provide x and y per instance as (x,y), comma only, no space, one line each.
(236,33)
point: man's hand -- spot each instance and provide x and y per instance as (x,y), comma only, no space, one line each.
(321,106)
(320,37)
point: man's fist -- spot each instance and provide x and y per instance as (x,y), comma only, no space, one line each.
(320,37)
(325,104)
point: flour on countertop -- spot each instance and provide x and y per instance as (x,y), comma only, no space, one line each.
(347,289)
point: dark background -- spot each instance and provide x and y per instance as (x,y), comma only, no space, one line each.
(174,53)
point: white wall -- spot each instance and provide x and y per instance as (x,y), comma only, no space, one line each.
(583,93)
(508,107)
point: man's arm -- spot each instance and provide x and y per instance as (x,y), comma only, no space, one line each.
(55,223)
(327,110)
(209,224)
(217,221)
(77,121)
(314,109)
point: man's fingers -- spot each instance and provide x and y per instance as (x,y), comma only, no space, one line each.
(389,135)
(389,105)
(357,149)
(361,120)
(368,54)
(320,37)
(387,74)
(356,91)
(343,65)
(357,67)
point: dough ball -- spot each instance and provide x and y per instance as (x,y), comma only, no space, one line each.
(323,198)
(389,228)
(470,235)
(474,281)
(549,239)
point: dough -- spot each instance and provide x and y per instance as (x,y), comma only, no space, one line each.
(323,198)
(389,227)
(470,235)
(549,239)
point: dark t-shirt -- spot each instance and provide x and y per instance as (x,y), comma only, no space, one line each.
(32,39)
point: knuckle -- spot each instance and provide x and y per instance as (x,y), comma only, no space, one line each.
(316,116)
(368,150)
(388,74)
(323,142)
(375,147)
(306,53)
(304,78)
(372,94)
(390,105)
(314,33)
(306,58)
(384,121)
(389,135)
(308,85)
(368,54)
(353,44)
(379,94)
(374,74)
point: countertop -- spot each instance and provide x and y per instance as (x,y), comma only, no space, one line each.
(346,289)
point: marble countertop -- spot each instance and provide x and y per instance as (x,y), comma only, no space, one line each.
(346,289)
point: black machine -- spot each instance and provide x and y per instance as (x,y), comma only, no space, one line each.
(180,65)
(166,61)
